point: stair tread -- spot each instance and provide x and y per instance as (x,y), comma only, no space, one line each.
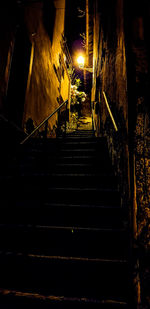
(74,164)
(55,227)
(84,189)
(56,254)
(61,298)
(84,206)
(64,258)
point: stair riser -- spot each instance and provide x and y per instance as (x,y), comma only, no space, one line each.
(63,215)
(38,302)
(81,168)
(65,158)
(83,146)
(59,168)
(72,180)
(104,244)
(85,181)
(32,158)
(60,277)
(95,197)
(81,159)
(30,301)
(68,196)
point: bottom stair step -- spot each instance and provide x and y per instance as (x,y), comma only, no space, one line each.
(70,277)
(15,300)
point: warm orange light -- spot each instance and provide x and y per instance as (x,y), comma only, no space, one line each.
(80,61)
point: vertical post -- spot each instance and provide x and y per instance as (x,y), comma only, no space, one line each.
(58,117)
(46,126)
(66,119)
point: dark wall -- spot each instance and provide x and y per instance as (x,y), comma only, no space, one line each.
(8,22)
(122,70)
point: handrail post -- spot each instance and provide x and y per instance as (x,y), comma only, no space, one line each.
(46,127)
(58,120)
(66,118)
(93,120)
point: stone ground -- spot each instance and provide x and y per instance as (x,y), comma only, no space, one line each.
(81,123)
(84,123)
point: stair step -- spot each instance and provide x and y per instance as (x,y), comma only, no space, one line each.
(83,145)
(84,152)
(99,197)
(81,168)
(63,276)
(81,136)
(77,150)
(70,158)
(96,243)
(48,176)
(77,215)
(85,195)
(42,180)
(61,166)
(80,132)
(36,300)
(65,242)
(83,180)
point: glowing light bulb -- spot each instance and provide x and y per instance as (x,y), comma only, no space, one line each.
(80,61)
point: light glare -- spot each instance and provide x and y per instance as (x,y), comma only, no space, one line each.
(80,61)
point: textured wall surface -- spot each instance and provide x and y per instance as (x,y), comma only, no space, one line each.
(33,73)
(7,29)
(110,76)
(47,82)
(122,68)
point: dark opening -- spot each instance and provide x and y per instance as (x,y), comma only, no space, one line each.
(18,77)
(49,13)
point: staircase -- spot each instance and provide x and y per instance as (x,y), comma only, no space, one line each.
(63,238)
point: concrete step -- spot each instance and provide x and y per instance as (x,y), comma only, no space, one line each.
(83,144)
(64,232)
(70,214)
(41,179)
(68,276)
(61,167)
(69,195)
(84,242)
(88,195)
(81,168)
(15,299)
(80,133)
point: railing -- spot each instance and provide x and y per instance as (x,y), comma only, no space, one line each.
(110,113)
(45,121)
(93,119)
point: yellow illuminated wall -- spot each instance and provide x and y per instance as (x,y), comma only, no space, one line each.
(48,81)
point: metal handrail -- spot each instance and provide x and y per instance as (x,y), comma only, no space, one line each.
(110,113)
(44,121)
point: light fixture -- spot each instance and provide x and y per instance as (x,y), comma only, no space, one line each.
(80,61)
